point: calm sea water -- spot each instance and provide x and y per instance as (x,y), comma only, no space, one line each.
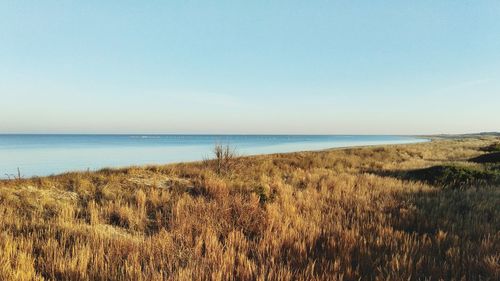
(40,155)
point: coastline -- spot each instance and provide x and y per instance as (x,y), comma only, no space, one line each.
(44,155)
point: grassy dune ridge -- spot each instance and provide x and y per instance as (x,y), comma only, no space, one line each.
(372,213)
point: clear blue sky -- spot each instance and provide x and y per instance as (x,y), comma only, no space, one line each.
(320,67)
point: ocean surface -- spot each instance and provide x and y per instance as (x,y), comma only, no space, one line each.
(41,155)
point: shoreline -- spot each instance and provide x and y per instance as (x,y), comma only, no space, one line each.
(417,140)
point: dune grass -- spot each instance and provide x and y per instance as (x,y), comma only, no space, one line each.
(342,214)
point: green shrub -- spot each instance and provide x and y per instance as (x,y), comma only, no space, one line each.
(454,176)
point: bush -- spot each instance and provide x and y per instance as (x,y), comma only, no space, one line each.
(454,176)
(224,159)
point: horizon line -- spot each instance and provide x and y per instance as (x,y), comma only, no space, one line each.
(242,134)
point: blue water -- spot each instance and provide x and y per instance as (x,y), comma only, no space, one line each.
(40,155)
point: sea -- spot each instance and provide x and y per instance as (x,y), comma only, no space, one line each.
(32,155)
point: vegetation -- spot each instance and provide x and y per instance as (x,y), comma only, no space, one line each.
(456,176)
(225,159)
(332,215)
(494,147)
(487,158)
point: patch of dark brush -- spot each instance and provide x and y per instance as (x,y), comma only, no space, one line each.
(454,176)
(492,148)
(487,158)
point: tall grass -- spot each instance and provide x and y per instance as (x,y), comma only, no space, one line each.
(330,215)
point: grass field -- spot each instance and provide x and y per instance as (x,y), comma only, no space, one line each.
(428,211)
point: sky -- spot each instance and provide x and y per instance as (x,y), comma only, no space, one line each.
(250,67)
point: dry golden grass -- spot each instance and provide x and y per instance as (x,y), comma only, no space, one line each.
(330,215)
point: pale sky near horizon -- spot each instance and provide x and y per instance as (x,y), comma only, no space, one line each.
(306,67)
